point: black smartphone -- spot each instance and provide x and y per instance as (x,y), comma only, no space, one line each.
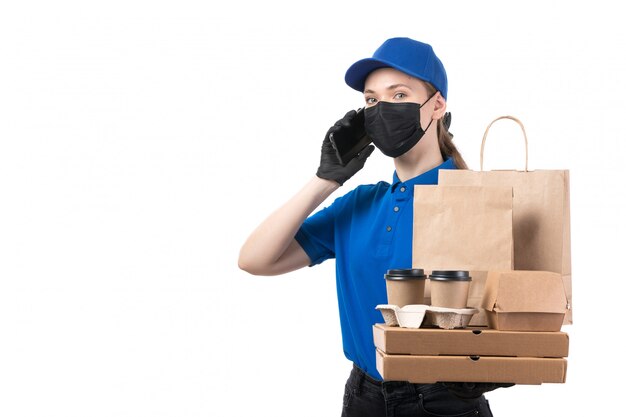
(348,142)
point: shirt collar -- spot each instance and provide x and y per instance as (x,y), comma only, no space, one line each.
(429,177)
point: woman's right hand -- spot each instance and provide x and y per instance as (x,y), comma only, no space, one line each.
(272,249)
(330,168)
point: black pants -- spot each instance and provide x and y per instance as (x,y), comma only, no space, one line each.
(367,397)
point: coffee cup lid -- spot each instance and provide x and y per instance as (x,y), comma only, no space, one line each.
(405,274)
(450,276)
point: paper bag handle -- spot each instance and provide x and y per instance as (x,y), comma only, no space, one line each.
(482,147)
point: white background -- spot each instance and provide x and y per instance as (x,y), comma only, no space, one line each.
(141,142)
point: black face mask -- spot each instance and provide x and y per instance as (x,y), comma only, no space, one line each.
(395,127)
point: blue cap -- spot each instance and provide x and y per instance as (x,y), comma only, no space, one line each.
(407,55)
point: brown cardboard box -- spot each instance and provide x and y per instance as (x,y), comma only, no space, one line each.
(431,369)
(463,342)
(525,300)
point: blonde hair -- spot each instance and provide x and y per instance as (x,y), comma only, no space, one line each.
(446,147)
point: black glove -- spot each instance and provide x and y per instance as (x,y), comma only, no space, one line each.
(473,390)
(330,168)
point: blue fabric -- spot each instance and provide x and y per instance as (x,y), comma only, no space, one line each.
(404,54)
(368,231)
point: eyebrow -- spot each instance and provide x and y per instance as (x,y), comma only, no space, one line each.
(391,87)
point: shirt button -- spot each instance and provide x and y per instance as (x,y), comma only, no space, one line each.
(402,189)
(389,228)
(396,209)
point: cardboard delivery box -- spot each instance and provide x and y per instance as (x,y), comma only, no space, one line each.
(431,369)
(525,300)
(428,355)
(472,341)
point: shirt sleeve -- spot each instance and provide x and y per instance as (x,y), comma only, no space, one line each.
(317,235)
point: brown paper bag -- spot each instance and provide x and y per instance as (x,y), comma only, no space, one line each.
(541,213)
(463,228)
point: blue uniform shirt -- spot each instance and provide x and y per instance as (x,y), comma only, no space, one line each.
(368,231)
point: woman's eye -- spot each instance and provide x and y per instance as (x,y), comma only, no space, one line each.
(370,100)
(399,96)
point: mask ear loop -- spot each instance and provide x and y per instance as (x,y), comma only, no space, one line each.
(421,105)
(431,122)
(429,98)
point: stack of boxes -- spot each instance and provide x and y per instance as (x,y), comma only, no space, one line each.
(522,344)
(507,240)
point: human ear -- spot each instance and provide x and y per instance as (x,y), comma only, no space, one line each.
(440,106)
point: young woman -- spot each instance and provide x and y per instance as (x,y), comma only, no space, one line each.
(368,230)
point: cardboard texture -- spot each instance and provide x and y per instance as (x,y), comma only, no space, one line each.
(465,228)
(462,342)
(462,228)
(474,300)
(525,300)
(431,369)
(491,221)
(541,215)
(417,315)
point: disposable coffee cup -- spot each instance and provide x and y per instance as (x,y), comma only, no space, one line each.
(405,286)
(449,288)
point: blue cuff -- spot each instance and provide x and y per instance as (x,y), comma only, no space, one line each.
(315,255)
